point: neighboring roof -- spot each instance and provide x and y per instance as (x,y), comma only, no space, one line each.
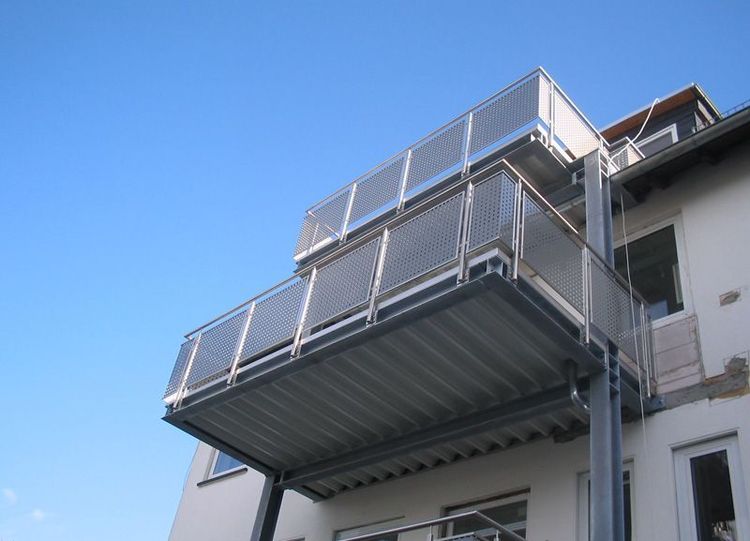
(705,146)
(692,92)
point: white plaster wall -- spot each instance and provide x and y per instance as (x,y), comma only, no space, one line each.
(713,205)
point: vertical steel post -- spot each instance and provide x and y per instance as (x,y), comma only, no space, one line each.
(551,141)
(240,345)
(188,368)
(518,211)
(300,326)
(463,245)
(467,145)
(586,271)
(602,440)
(269,506)
(347,214)
(402,189)
(377,277)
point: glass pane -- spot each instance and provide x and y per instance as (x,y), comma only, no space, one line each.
(712,494)
(224,463)
(658,143)
(511,515)
(654,271)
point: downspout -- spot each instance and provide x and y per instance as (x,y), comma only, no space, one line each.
(575,395)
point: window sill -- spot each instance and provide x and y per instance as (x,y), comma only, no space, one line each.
(224,475)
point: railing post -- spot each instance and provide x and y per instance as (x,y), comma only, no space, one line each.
(402,188)
(240,345)
(551,141)
(188,368)
(300,326)
(517,229)
(463,245)
(586,295)
(377,278)
(467,145)
(347,215)
(644,343)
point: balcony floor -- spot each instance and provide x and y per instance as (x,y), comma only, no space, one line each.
(446,374)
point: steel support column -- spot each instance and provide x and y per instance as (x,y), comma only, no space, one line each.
(607,511)
(268,510)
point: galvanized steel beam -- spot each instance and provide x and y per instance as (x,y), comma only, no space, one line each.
(475,423)
(268,510)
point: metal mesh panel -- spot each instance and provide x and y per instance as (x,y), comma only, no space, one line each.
(377,189)
(343,284)
(551,253)
(492,211)
(505,114)
(216,349)
(179,368)
(610,308)
(423,243)
(325,222)
(440,152)
(571,129)
(274,318)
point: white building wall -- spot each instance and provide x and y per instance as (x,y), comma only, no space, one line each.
(711,204)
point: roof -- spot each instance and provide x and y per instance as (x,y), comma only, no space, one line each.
(692,92)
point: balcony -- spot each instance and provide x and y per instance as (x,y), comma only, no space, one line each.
(531,120)
(466,323)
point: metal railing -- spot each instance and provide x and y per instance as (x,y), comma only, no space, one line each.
(532,101)
(492,212)
(622,154)
(490,529)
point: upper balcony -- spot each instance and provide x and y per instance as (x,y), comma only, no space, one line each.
(531,120)
(468,322)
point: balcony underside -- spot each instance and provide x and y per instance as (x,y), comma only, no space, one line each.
(447,372)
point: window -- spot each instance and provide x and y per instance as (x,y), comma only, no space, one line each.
(711,501)
(654,270)
(510,511)
(658,141)
(371,528)
(584,503)
(224,463)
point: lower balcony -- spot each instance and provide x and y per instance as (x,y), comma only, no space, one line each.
(468,324)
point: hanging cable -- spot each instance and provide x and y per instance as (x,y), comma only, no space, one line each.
(643,330)
(643,126)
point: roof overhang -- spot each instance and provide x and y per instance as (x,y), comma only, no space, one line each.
(706,146)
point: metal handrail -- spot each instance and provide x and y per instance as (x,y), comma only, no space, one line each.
(502,530)
(467,116)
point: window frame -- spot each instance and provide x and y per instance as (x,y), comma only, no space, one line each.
(582,525)
(497,500)
(679,239)
(210,474)
(672,128)
(685,503)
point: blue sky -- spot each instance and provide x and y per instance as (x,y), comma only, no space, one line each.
(155,159)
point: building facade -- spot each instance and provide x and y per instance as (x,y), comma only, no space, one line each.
(677,179)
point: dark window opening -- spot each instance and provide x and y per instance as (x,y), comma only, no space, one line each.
(712,494)
(654,271)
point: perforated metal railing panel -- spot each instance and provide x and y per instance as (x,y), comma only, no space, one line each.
(437,154)
(553,254)
(423,243)
(505,114)
(216,349)
(611,309)
(179,368)
(343,284)
(544,99)
(377,189)
(492,211)
(571,130)
(274,318)
(325,222)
